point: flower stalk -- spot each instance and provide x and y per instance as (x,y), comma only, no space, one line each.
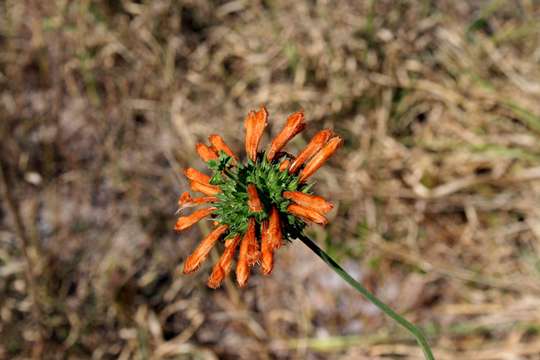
(259,204)
(416,332)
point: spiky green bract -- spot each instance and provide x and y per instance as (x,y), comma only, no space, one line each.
(233,209)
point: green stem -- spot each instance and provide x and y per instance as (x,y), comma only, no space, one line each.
(419,336)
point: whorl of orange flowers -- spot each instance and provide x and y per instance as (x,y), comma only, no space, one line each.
(257,205)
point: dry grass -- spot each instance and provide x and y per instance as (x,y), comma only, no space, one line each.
(437,189)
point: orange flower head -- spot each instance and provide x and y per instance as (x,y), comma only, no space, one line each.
(258,205)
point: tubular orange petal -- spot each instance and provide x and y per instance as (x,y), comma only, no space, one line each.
(284,165)
(254,124)
(184,222)
(206,189)
(275,237)
(253,246)
(267,251)
(320,158)
(311,149)
(248,255)
(254,202)
(314,202)
(295,124)
(219,144)
(201,252)
(242,267)
(206,152)
(186,200)
(307,214)
(223,266)
(196,175)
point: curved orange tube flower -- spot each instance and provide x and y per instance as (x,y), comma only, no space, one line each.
(307,213)
(206,152)
(249,254)
(275,237)
(254,202)
(267,252)
(311,149)
(219,144)
(196,175)
(320,158)
(223,266)
(271,239)
(255,124)
(186,221)
(186,200)
(294,125)
(206,189)
(314,202)
(201,252)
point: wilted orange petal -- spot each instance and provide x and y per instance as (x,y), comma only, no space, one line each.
(201,252)
(267,252)
(314,145)
(248,255)
(254,124)
(205,188)
(206,152)
(284,165)
(295,124)
(307,214)
(315,202)
(223,266)
(319,159)
(219,144)
(254,202)
(186,200)
(196,175)
(186,221)
(274,229)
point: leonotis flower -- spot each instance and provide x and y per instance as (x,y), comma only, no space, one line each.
(258,205)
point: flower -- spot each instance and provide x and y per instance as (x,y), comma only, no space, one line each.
(266,198)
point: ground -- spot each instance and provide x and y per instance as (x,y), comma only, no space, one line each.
(436,189)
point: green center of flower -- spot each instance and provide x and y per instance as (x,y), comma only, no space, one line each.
(270,181)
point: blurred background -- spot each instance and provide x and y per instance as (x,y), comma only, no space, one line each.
(436,191)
